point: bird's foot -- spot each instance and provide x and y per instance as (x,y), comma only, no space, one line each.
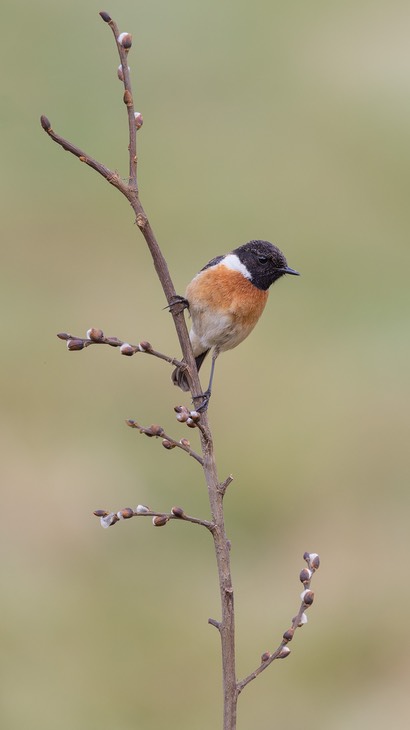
(177,300)
(205,401)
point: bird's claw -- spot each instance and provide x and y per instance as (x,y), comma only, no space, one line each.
(205,402)
(178,300)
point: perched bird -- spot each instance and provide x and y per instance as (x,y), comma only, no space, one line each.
(226,299)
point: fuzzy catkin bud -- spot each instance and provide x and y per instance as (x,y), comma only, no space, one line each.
(125,514)
(288,635)
(153,430)
(305,575)
(307,597)
(168,444)
(127,98)
(142,509)
(96,335)
(75,344)
(312,560)
(178,512)
(159,520)
(120,72)
(139,121)
(303,620)
(127,349)
(108,520)
(100,513)
(125,40)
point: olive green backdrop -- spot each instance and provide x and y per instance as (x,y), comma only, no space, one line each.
(286,121)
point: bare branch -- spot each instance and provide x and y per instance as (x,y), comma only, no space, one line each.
(124,42)
(167,441)
(97,337)
(225,484)
(159,519)
(282,651)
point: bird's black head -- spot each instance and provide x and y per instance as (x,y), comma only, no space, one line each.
(264,262)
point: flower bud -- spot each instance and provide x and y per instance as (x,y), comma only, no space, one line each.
(139,121)
(120,72)
(96,335)
(100,513)
(190,423)
(64,336)
(106,18)
(307,597)
(303,620)
(125,514)
(127,349)
(195,416)
(127,98)
(284,652)
(178,512)
(168,444)
(125,40)
(108,520)
(265,656)
(305,575)
(153,430)
(185,442)
(312,560)
(288,635)
(142,509)
(45,123)
(159,520)
(145,346)
(75,344)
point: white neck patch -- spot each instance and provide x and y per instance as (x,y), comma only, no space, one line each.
(232,261)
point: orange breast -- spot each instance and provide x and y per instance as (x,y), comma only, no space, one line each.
(220,291)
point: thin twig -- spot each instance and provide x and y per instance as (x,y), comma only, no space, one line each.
(129,101)
(159,519)
(167,441)
(97,337)
(282,651)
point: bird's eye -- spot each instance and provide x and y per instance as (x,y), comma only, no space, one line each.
(263,260)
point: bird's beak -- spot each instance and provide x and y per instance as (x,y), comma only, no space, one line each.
(288,270)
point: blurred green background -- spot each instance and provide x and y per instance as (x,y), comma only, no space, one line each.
(285,121)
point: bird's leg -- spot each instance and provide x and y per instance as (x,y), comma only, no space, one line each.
(207,394)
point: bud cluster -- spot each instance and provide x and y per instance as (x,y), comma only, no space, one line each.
(191,418)
(307,598)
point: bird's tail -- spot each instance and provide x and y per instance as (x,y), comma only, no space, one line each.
(179,377)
